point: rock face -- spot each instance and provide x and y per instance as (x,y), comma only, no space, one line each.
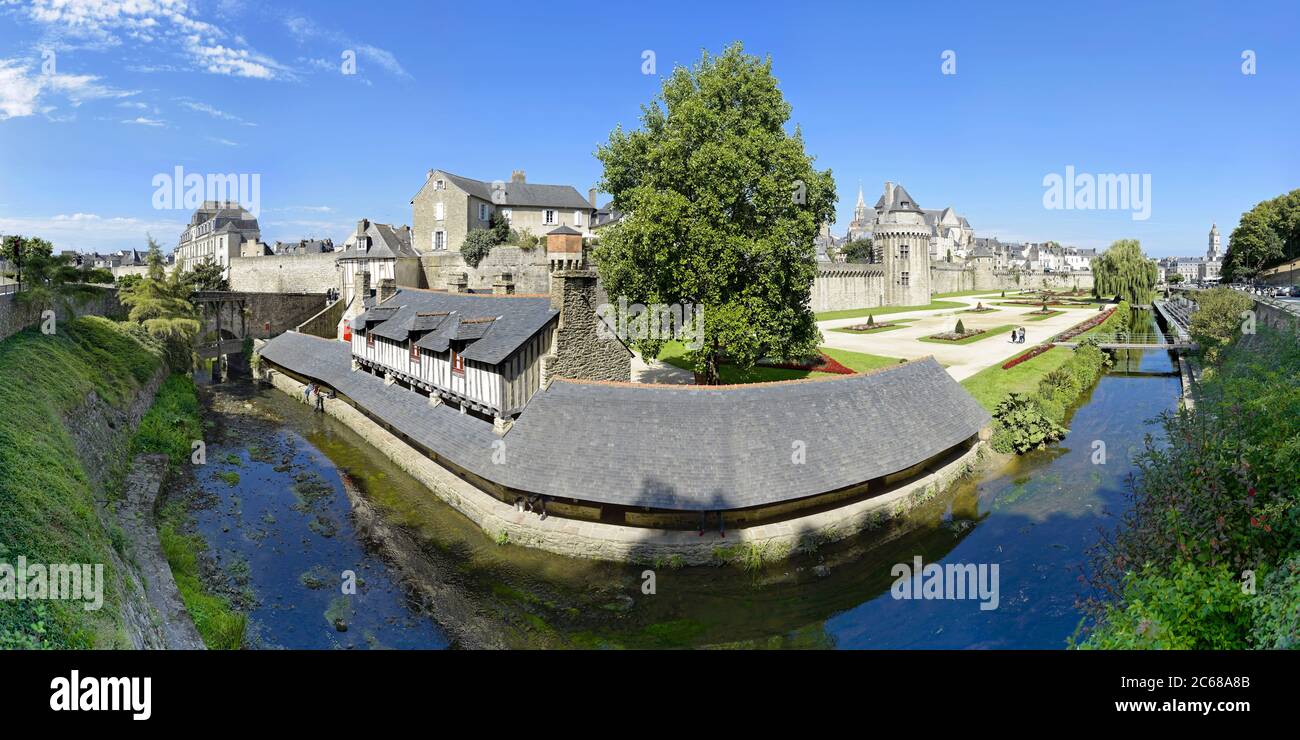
(137,516)
(101,434)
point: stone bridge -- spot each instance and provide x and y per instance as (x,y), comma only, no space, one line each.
(229,317)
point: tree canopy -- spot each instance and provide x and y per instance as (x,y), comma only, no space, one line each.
(206,275)
(1124,271)
(858,250)
(161,302)
(1266,235)
(723,206)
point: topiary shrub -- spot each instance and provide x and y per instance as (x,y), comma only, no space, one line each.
(961,329)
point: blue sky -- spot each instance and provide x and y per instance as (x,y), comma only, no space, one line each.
(141,87)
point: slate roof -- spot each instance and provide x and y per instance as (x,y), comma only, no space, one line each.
(676,447)
(514,320)
(382,242)
(520,193)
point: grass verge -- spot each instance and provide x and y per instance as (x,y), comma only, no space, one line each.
(854,313)
(674,353)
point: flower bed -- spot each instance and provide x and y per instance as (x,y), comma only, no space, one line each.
(822,363)
(1031,354)
(872,327)
(952,336)
(1078,329)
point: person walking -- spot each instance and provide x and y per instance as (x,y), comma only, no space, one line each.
(320,400)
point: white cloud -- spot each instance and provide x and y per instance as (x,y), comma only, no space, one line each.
(18,90)
(304,30)
(142,121)
(89,232)
(23,93)
(107,23)
(214,112)
(223,142)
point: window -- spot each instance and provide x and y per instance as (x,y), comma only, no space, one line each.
(457,364)
(904,279)
(439,239)
(370,340)
(483,212)
(439,212)
(415,352)
(548,216)
(577,218)
(904,251)
(439,184)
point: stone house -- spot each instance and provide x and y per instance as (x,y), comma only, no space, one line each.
(449,206)
(217,233)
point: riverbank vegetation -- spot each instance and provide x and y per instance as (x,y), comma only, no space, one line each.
(47,497)
(1266,235)
(1221,315)
(170,428)
(1209,555)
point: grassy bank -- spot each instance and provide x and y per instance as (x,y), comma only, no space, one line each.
(1210,556)
(170,427)
(47,510)
(674,353)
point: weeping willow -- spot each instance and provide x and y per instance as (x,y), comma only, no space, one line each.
(1125,272)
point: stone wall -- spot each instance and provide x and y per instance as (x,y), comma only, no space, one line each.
(580,352)
(528,267)
(1278,315)
(847,286)
(326,323)
(14,317)
(296,273)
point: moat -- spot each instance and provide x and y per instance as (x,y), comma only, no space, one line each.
(283,535)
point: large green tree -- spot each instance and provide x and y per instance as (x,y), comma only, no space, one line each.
(1123,271)
(1266,235)
(858,250)
(723,205)
(54,282)
(161,302)
(29,247)
(206,275)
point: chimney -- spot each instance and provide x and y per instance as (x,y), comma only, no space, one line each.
(361,286)
(457,282)
(591,198)
(387,289)
(889,193)
(564,249)
(517,176)
(504,284)
(362,225)
(428,175)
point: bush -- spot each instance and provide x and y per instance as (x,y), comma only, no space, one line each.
(1277,609)
(961,329)
(1024,425)
(1191,608)
(1218,319)
(477,246)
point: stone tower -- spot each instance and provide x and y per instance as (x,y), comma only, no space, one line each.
(579,350)
(1213,254)
(902,239)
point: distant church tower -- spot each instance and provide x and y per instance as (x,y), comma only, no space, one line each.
(1212,254)
(903,241)
(861,225)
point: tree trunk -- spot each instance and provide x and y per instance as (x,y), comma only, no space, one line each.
(711,376)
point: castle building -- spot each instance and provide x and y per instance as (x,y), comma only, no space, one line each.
(902,238)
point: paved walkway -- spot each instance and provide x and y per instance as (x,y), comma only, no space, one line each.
(961,360)
(658,371)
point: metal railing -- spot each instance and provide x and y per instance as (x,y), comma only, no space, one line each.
(7,289)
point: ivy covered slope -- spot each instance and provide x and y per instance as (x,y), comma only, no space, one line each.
(47,511)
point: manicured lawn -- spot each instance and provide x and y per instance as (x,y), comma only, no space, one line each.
(674,354)
(847,330)
(964,293)
(992,384)
(1004,329)
(855,313)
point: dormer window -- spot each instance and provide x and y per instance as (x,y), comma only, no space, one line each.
(415,352)
(439,184)
(457,363)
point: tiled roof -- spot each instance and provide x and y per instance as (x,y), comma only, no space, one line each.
(677,447)
(522,194)
(512,321)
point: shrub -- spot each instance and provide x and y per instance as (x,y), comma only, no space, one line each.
(1277,609)
(871,320)
(477,246)
(961,329)
(1218,318)
(1026,426)
(1187,607)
